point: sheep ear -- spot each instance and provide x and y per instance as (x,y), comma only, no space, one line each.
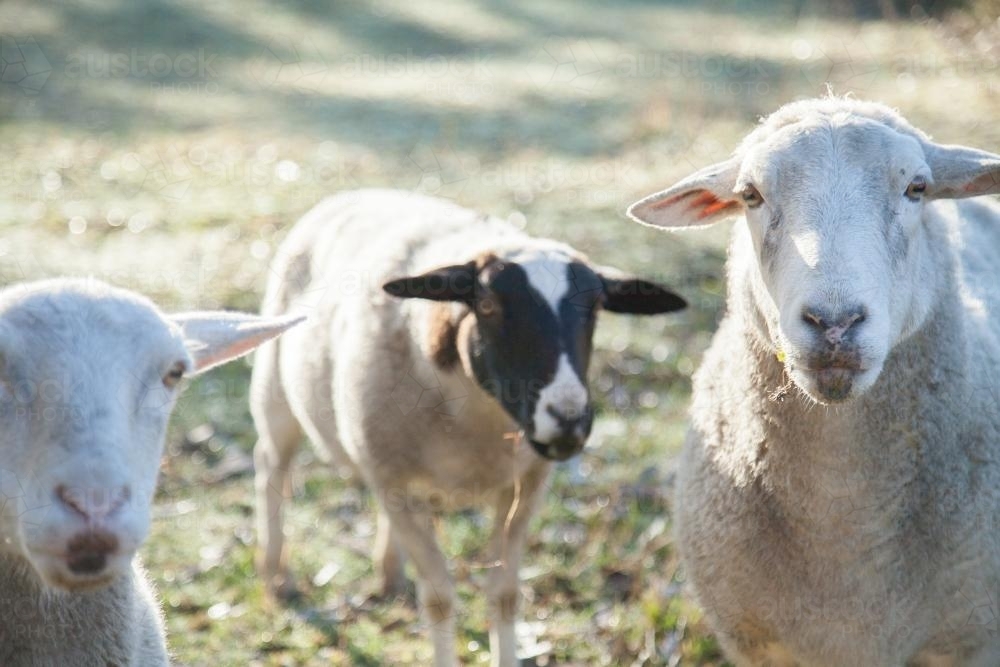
(213,338)
(958,171)
(449,283)
(635,296)
(701,199)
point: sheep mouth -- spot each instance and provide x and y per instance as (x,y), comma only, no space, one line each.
(835,358)
(831,375)
(71,575)
(557,450)
(819,368)
(77,583)
(834,383)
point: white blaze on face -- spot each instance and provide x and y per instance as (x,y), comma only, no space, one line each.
(547,275)
(565,395)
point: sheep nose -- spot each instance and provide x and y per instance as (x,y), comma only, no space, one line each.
(573,422)
(87,552)
(833,327)
(92,504)
(574,428)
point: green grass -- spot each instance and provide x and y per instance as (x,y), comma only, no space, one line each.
(169,152)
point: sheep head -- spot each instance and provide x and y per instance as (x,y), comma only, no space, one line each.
(525,329)
(841,263)
(88,378)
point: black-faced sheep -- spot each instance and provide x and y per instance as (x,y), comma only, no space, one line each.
(409,292)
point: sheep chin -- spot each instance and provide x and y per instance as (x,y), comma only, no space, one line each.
(835,385)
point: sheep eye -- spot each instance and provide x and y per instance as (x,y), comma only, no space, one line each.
(486,306)
(751,196)
(916,189)
(174,375)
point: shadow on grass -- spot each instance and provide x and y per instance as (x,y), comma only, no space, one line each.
(85,92)
(305,608)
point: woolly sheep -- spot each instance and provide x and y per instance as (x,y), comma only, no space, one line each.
(88,378)
(840,485)
(419,395)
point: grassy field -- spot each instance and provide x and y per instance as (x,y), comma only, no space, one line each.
(169,146)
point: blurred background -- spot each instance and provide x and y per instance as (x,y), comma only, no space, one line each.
(169,146)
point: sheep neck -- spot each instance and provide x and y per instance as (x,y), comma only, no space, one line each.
(882,447)
(38,619)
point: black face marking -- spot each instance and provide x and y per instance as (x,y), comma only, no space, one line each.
(578,315)
(518,337)
(518,342)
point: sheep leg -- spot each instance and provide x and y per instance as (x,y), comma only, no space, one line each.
(514,509)
(414,530)
(279,435)
(389,557)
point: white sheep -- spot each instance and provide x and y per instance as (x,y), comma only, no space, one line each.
(420,396)
(88,378)
(839,489)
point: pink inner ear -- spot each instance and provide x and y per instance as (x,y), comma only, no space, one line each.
(709,204)
(716,207)
(232,351)
(670,202)
(984,184)
(703,203)
(698,194)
